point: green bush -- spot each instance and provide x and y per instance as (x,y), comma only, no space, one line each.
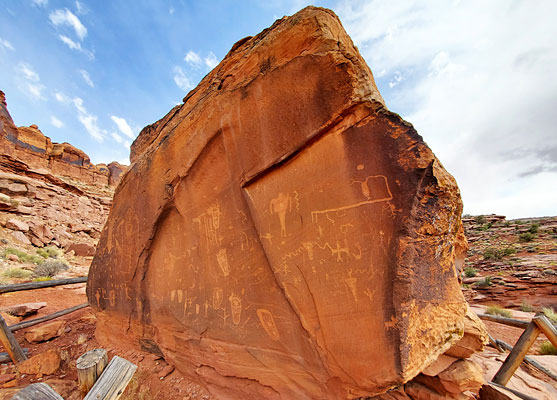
(495,310)
(547,349)
(493,253)
(18,273)
(484,282)
(526,237)
(23,256)
(526,307)
(470,272)
(49,252)
(42,279)
(534,228)
(480,219)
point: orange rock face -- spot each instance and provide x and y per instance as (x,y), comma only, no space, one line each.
(30,146)
(282,234)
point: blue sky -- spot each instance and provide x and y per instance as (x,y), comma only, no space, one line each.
(476,78)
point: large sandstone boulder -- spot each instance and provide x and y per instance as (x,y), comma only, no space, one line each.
(282,234)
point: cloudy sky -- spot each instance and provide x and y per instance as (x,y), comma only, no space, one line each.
(476,78)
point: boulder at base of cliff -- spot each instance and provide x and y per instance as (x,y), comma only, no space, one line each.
(282,234)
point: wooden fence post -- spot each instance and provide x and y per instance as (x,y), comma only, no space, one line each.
(10,343)
(90,366)
(516,356)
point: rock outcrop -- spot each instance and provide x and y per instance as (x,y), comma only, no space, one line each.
(50,193)
(281,234)
(28,145)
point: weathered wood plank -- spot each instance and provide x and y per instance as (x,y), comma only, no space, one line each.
(516,356)
(90,366)
(26,324)
(547,328)
(39,285)
(528,360)
(504,320)
(113,380)
(10,343)
(37,391)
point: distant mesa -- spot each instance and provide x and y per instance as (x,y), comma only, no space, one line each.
(27,148)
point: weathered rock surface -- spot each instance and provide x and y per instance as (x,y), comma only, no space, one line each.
(281,234)
(23,310)
(46,363)
(50,193)
(45,332)
(28,145)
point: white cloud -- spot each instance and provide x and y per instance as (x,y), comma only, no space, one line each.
(211,60)
(75,46)
(116,137)
(87,78)
(193,59)
(28,81)
(88,120)
(56,122)
(6,45)
(40,3)
(61,97)
(66,17)
(70,43)
(80,8)
(123,126)
(181,80)
(480,91)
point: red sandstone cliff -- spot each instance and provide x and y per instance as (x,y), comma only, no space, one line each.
(27,148)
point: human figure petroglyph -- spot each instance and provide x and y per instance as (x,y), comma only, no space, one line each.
(222,260)
(351,281)
(280,205)
(366,192)
(236,308)
(98,297)
(268,322)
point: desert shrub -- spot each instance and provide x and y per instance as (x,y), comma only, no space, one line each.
(470,272)
(49,252)
(547,349)
(534,228)
(526,307)
(485,227)
(50,268)
(23,256)
(526,237)
(480,219)
(550,313)
(485,282)
(18,273)
(496,310)
(494,253)
(507,224)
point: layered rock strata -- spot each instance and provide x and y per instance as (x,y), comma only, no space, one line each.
(50,193)
(281,234)
(30,147)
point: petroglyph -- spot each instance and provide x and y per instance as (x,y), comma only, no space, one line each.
(222,260)
(172,294)
(180,294)
(367,192)
(217,297)
(236,307)
(209,221)
(268,323)
(350,282)
(267,236)
(280,205)
(98,297)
